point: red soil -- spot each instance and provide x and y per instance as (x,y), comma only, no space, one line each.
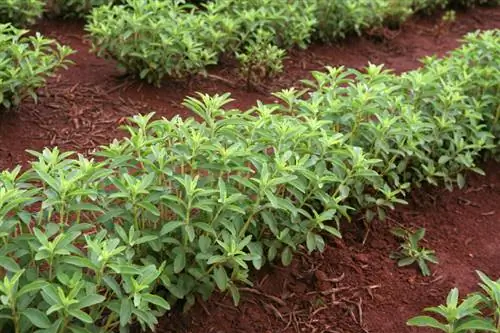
(81,108)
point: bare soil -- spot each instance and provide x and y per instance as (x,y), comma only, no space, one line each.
(352,287)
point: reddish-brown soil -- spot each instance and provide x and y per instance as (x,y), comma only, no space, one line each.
(350,287)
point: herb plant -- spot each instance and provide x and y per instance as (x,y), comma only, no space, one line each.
(25,62)
(155,39)
(260,59)
(410,251)
(479,312)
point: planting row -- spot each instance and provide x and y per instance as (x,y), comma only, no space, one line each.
(181,208)
(154,39)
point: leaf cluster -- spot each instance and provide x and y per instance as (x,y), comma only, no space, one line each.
(183,207)
(25,63)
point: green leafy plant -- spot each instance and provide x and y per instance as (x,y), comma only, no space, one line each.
(260,59)
(411,252)
(183,207)
(157,39)
(25,62)
(479,312)
(21,12)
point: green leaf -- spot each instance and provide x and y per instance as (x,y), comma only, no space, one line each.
(426,321)
(332,231)
(156,300)
(235,293)
(286,256)
(476,324)
(220,277)
(460,180)
(80,315)
(9,264)
(179,262)
(90,300)
(31,287)
(452,299)
(311,241)
(170,226)
(406,261)
(125,311)
(37,317)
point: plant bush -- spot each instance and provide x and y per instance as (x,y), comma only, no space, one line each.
(336,19)
(21,12)
(153,39)
(260,59)
(183,207)
(156,39)
(25,63)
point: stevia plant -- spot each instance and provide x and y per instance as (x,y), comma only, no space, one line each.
(411,252)
(260,59)
(287,23)
(157,39)
(478,312)
(25,63)
(21,12)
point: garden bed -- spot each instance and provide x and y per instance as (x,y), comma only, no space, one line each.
(349,287)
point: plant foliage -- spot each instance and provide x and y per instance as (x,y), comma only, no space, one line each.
(478,312)
(183,207)
(410,251)
(21,12)
(25,63)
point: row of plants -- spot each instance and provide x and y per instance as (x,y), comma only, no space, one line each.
(182,207)
(157,39)
(154,39)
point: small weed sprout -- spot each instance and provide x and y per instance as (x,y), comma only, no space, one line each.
(410,251)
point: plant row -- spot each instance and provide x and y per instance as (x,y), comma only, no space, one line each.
(154,39)
(158,39)
(182,207)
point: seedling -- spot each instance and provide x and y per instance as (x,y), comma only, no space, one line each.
(411,252)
